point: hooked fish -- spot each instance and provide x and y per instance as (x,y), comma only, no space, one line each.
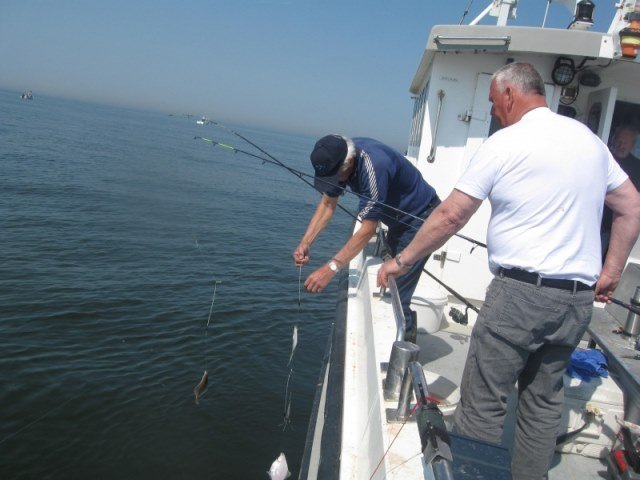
(201,387)
(294,342)
(279,469)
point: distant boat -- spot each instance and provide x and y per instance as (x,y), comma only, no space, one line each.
(203,121)
(26,95)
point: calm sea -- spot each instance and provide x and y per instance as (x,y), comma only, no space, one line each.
(115,226)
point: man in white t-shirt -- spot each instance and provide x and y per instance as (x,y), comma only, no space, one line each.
(547,178)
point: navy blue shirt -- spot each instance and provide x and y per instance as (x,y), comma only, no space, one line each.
(390,183)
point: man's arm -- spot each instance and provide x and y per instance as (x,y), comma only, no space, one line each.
(324,211)
(450,216)
(318,280)
(624,201)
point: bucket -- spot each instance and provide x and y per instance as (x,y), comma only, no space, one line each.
(429,301)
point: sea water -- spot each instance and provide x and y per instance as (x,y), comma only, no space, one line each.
(116,226)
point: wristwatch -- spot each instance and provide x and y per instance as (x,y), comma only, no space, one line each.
(400,264)
(333,266)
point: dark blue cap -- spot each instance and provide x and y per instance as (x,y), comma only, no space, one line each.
(328,154)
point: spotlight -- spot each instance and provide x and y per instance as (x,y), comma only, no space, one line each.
(563,71)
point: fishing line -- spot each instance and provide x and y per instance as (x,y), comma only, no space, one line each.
(215,286)
(301,175)
(394,439)
(287,395)
(286,416)
(35,421)
(299,287)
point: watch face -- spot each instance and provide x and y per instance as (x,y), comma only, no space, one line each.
(333,266)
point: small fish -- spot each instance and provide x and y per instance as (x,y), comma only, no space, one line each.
(279,469)
(201,387)
(294,342)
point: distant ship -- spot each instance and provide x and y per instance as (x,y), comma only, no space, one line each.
(203,121)
(26,95)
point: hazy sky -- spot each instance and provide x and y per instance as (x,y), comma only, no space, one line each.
(307,66)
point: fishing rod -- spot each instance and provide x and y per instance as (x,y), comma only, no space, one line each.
(295,172)
(629,307)
(471,240)
(301,175)
(456,315)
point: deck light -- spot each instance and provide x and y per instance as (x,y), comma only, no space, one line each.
(584,11)
(563,71)
(583,17)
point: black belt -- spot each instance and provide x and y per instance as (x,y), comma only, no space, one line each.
(435,201)
(405,218)
(535,279)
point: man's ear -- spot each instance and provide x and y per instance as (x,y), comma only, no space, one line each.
(508,91)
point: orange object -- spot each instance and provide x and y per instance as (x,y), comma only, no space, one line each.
(621,462)
(630,36)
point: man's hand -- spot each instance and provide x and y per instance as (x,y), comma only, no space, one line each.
(390,268)
(318,280)
(605,286)
(301,255)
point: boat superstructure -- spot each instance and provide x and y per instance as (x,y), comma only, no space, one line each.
(359,428)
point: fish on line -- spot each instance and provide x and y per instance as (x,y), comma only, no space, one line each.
(201,387)
(279,469)
(294,343)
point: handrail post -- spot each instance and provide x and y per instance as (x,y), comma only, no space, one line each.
(402,354)
(432,153)
(398,313)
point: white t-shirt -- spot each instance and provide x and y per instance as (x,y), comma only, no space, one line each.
(546,177)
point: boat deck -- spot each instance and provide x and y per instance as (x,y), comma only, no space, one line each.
(442,355)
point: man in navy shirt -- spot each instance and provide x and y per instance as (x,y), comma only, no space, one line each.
(391,191)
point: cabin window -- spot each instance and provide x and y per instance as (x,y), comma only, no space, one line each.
(417,122)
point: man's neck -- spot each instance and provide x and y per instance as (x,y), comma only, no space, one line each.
(529,103)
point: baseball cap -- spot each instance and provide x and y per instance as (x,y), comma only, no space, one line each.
(327,156)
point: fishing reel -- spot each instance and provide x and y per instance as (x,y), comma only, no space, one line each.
(459,317)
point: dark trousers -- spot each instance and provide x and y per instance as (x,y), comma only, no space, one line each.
(397,240)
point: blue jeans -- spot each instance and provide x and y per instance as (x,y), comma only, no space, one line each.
(397,240)
(523,333)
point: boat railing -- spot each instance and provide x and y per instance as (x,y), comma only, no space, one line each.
(382,251)
(398,314)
